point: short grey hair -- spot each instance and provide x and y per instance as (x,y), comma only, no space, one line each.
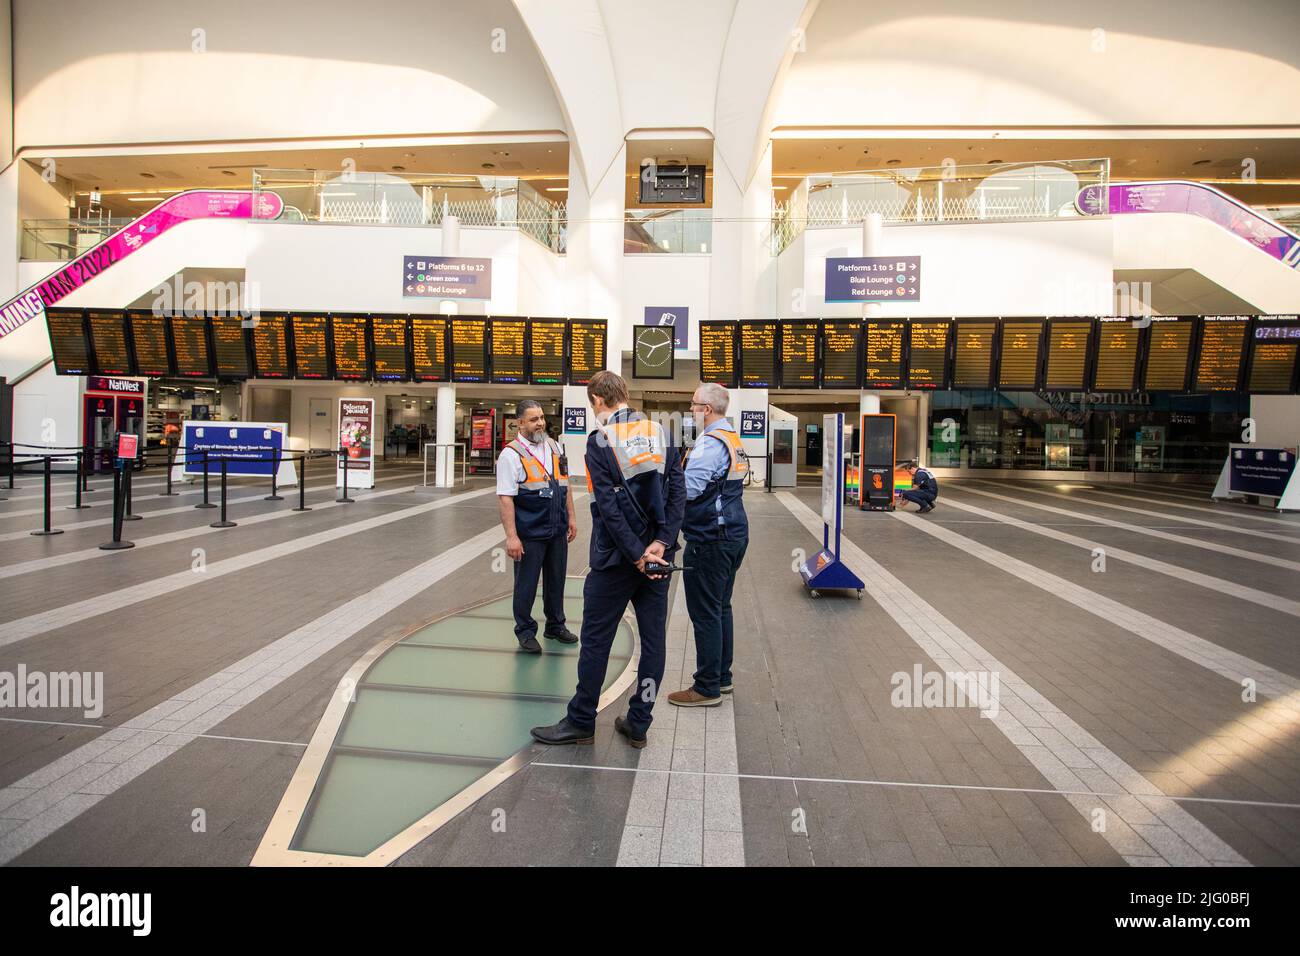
(523,407)
(715,396)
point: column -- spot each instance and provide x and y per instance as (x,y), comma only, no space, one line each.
(751,400)
(445,431)
(594,270)
(575,446)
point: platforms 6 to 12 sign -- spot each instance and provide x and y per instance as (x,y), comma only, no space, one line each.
(446,277)
(873,279)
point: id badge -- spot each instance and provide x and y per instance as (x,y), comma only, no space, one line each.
(546,493)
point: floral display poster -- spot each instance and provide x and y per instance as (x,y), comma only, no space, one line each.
(356,442)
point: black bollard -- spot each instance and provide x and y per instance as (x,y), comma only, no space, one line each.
(275,472)
(345,499)
(46,528)
(223,523)
(302,486)
(171,463)
(84,466)
(119,504)
(205,503)
(127,469)
(11,466)
(78,505)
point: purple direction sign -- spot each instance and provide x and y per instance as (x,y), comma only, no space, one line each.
(446,277)
(676,316)
(873,279)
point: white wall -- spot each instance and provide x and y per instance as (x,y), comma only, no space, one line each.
(665,280)
(1277,420)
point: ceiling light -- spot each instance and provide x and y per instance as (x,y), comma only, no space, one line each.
(1201,162)
(227,172)
(148,175)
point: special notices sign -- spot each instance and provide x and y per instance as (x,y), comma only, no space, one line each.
(356,442)
(446,277)
(873,279)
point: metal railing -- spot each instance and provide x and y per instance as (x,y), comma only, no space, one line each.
(933,194)
(46,240)
(464,460)
(673,231)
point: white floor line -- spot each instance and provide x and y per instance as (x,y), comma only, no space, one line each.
(61,791)
(1144,827)
(1263,598)
(687,813)
(1220,510)
(33,624)
(1226,663)
(1143,530)
(1286,539)
(136,485)
(86,554)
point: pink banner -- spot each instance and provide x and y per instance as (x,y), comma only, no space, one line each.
(183,207)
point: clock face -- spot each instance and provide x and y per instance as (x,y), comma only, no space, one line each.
(654,351)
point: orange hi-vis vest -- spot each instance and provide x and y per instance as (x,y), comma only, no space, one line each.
(639,447)
(718,512)
(739,470)
(541,509)
(535,476)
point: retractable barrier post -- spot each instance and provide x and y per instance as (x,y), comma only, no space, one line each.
(171,463)
(84,466)
(46,529)
(275,471)
(11,466)
(74,507)
(302,486)
(119,505)
(345,499)
(223,523)
(204,503)
(128,466)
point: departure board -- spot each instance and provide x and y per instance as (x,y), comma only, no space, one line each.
(799,354)
(149,339)
(1022,343)
(927,354)
(68,341)
(190,346)
(230,346)
(757,354)
(351,357)
(586,349)
(1273,349)
(883,350)
(388,332)
(1117,352)
(429,348)
(509,350)
(311,354)
(108,338)
(270,346)
(1169,350)
(1067,353)
(718,353)
(841,351)
(972,365)
(469,352)
(546,351)
(1223,346)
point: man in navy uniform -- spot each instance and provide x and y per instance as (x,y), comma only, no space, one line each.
(924,488)
(537,514)
(638,502)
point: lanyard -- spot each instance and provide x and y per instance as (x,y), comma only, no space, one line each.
(540,460)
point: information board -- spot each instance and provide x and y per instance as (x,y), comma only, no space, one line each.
(388,333)
(1022,342)
(799,366)
(586,349)
(190,346)
(108,339)
(509,351)
(1169,352)
(758,354)
(311,356)
(718,353)
(927,354)
(469,354)
(351,354)
(1117,354)
(1273,350)
(842,353)
(429,348)
(149,342)
(68,341)
(972,365)
(883,354)
(546,351)
(1068,341)
(271,346)
(1221,352)
(230,346)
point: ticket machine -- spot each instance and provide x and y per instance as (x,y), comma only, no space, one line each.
(110,406)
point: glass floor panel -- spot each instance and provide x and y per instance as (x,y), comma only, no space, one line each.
(486,671)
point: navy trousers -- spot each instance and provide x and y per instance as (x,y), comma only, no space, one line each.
(547,559)
(605,597)
(709,578)
(917,497)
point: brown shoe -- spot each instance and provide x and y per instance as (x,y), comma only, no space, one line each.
(689,698)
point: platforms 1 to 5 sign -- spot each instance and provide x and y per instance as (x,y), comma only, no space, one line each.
(873,279)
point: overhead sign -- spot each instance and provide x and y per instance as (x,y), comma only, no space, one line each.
(873,279)
(678,316)
(753,424)
(575,420)
(356,442)
(446,277)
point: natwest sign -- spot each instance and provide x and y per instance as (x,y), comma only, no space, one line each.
(98,383)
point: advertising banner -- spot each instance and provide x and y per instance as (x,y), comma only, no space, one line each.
(356,441)
(248,448)
(1260,471)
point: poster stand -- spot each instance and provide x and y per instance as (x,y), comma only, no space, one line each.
(1262,472)
(824,571)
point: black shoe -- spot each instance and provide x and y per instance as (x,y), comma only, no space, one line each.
(562,733)
(637,740)
(564,636)
(529,645)
(927,509)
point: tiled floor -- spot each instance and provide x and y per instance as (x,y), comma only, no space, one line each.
(1139,647)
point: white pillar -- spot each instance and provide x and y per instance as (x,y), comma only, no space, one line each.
(751,400)
(923,429)
(868,403)
(445,433)
(594,268)
(575,446)
(872,229)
